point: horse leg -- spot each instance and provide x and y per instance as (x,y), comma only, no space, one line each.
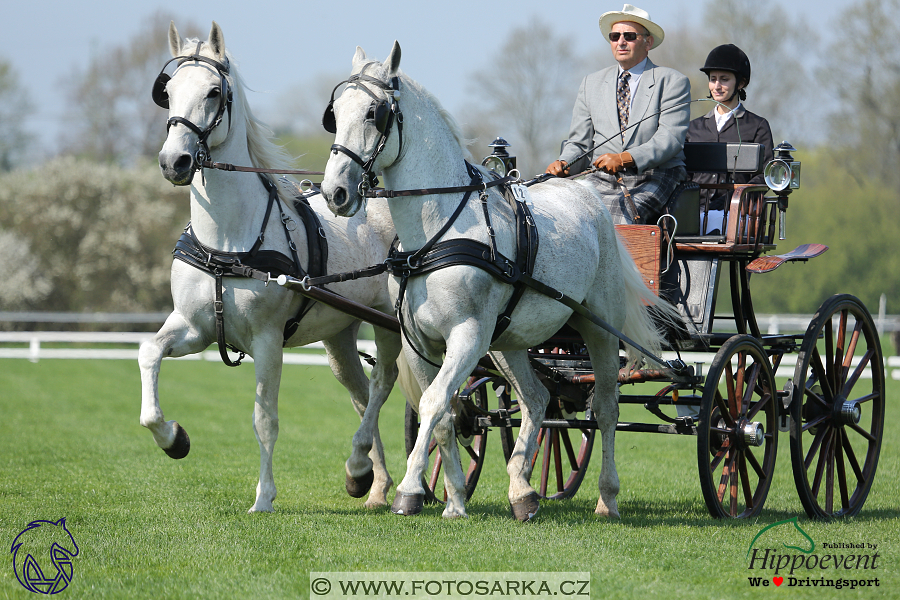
(366,468)
(533,400)
(604,351)
(434,414)
(175,338)
(268,362)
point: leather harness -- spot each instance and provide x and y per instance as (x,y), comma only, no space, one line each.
(262,265)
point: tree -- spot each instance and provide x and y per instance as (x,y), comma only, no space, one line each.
(112,118)
(527,92)
(865,76)
(14,106)
(82,236)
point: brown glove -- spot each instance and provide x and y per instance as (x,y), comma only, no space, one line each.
(613,163)
(559,168)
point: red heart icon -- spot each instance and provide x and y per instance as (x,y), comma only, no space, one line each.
(778,580)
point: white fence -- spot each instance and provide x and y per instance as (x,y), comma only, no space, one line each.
(32,345)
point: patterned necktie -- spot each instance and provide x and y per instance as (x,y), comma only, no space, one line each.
(623,99)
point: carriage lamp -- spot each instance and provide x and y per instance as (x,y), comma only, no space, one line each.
(499,160)
(783,176)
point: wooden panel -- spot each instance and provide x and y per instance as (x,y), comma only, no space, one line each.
(643,243)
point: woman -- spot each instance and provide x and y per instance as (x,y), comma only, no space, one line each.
(728,69)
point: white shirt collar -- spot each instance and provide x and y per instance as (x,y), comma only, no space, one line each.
(721,119)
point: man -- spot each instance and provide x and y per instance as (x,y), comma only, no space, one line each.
(632,118)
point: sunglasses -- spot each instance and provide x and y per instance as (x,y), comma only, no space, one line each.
(629,36)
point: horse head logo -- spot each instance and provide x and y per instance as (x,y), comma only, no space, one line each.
(39,545)
(787,523)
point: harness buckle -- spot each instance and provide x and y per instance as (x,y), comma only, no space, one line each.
(219,307)
(288,222)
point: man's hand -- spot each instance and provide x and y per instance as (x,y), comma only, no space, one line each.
(613,163)
(559,168)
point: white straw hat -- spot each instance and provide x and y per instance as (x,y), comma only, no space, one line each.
(635,15)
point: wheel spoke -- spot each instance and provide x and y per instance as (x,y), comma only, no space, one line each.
(723,410)
(751,458)
(750,387)
(841,472)
(863,433)
(823,460)
(829,473)
(435,471)
(815,422)
(814,447)
(736,395)
(570,451)
(754,410)
(722,453)
(745,481)
(851,458)
(557,460)
(839,350)
(723,480)
(470,449)
(851,381)
(821,377)
(545,464)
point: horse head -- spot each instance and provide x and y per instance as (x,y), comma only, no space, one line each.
(199,97)
(367,124)
(40,545)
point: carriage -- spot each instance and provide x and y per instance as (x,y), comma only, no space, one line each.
(832,407)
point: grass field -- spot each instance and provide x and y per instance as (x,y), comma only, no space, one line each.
(151,527)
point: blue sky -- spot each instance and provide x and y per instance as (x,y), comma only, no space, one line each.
(279,43)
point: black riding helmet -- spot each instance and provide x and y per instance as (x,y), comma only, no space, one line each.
(729,57)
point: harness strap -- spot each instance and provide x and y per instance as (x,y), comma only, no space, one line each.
(257,264)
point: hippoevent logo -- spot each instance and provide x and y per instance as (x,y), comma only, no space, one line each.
(42,556)
(783,554)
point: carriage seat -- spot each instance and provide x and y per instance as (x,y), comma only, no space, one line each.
(708,157)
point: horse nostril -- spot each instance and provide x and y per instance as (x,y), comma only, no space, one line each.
(340,196)
(183,163)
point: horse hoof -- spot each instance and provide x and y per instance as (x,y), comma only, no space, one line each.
(359,487)
(408,504)
(526,509)
(181,446)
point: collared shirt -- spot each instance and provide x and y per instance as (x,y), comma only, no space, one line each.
(636,71)
(721,119)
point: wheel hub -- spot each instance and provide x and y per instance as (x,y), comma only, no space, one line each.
(752,434)
(847,412)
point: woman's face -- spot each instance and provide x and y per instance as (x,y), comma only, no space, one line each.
(723,87)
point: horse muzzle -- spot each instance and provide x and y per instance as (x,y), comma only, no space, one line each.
(341,201)
(178,168)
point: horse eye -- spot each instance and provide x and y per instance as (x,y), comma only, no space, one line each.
(370,115)
(214,93)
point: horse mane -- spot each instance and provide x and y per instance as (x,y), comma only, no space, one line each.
(264,152)
(452,125)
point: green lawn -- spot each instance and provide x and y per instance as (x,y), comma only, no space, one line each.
(151,527)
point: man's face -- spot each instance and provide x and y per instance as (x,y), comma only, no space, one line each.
(626,53)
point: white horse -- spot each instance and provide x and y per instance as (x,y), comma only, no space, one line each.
(227,213)
(450,314)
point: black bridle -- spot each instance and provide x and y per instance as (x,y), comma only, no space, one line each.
(161,98)
(382,112)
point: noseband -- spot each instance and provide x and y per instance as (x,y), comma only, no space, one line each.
(161,98)
(382,114)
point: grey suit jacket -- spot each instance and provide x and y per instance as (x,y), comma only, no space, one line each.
(657,142)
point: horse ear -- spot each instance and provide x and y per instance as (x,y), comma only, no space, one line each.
(174,40)
(359,56)
(217,42)
(393,61)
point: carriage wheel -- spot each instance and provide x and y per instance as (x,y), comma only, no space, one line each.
(837,409)
(472,447)
(562,456)
(738,430)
